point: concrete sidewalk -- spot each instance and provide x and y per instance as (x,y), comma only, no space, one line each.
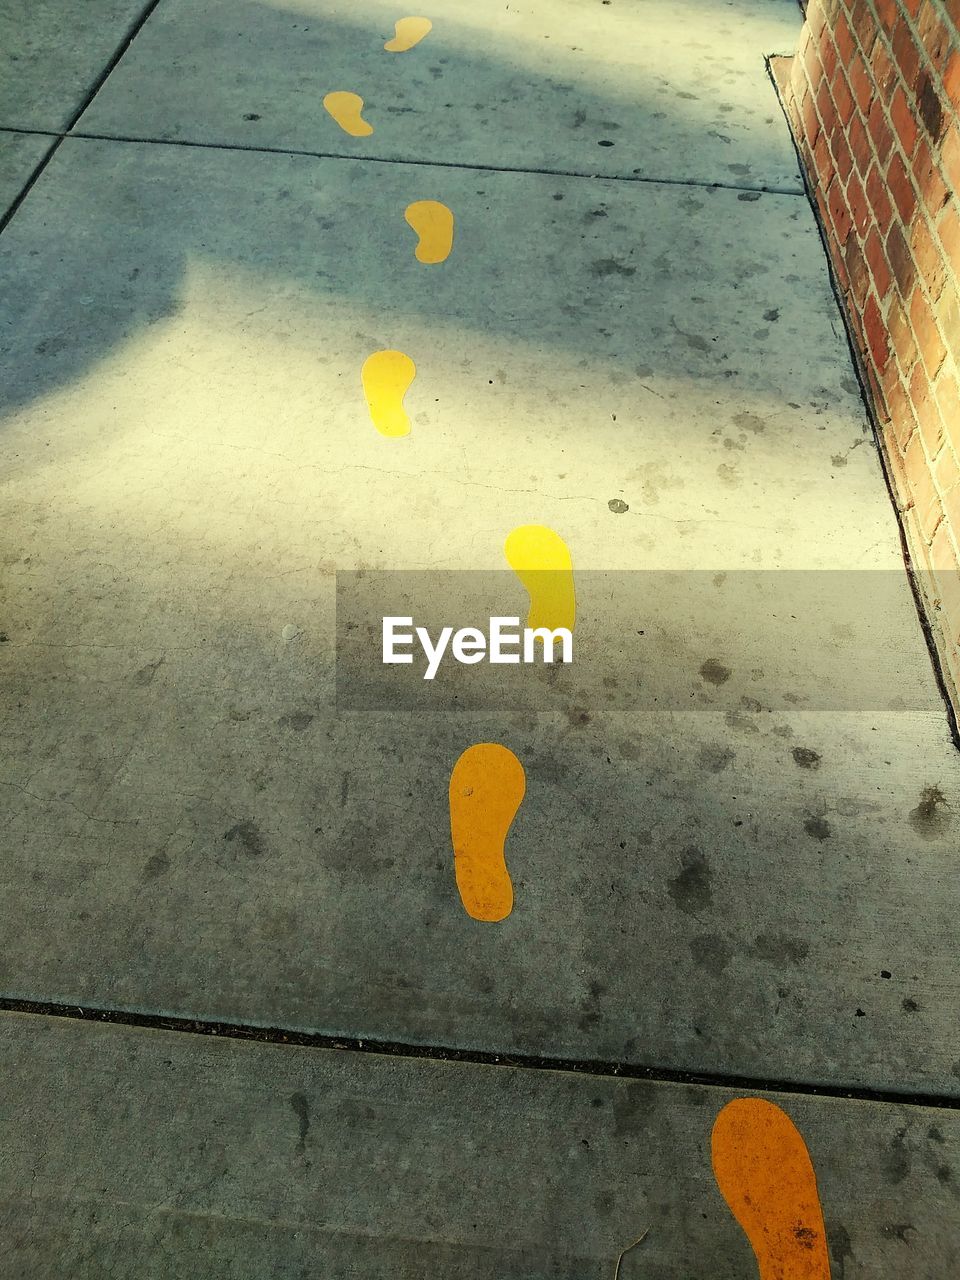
(635,345)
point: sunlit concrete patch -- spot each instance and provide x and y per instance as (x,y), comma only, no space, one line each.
(187,458)
(133,1152)
(53,52)
(656,90)
(20,153)
(408,34)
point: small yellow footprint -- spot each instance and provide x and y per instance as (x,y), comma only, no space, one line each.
(486,788)
(346,109)
(433,223)
(410,31)
(386,377)
(541,560)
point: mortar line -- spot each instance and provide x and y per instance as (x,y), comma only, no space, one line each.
(258,1034)
(698,183)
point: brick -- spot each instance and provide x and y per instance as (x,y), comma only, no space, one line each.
(839,213)
(880,131)
(858,206)
(901,188)
(947,395)
(842,95)
(825,108)
(877,263)
(844,38)
(926,501)
(928,256)
(946,471)
(857,271)
(809,120)
(864,24)
(951,79)
(861,85)
(828,56)
(934,34)
(933,189)
(905,53)
(950,157)
(860,145)
(902,418)
(925,407)
(821,157)
(901,261)
(930,107)
(947,311)
(884,70)
(904,124)
(842,156)
(879,200)
(929,342)
(901,336)
(888,14)
(948,231)
(875,333)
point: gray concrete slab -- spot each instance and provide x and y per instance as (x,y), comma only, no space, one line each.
(193,827)
(53,53)
(660,89)
(20,153)
(131,1153)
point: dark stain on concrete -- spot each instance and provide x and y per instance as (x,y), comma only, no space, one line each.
(156,866)
(611,267)
(806,758)
(909,1006)
(297,721)
(838,1241)
(248,836)
(896,1163)
(780,948)
(930,818)
(714,672)
(617,506)
(301,1110)
(715,758)
(710,952)
(146,673)
(750,422)
(817,828)
(691,888)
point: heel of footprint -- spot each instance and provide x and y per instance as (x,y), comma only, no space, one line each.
(766,1176)
(487,786)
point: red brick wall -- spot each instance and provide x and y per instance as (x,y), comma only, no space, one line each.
(873,97)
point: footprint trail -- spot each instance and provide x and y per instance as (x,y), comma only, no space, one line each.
(347,109)
(410,31)
(386,378)
(541,560)
(433,223)
(487,786)
(765,1174)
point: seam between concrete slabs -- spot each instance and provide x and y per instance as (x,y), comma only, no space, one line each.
(432,164)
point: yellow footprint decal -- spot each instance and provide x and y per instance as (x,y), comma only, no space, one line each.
(410,31)
(486,788)
(765,1174)
(386,377)
(346,109)
(541,560)
(433,223)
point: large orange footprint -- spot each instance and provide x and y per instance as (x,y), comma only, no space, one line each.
(486,789)
(765,1174)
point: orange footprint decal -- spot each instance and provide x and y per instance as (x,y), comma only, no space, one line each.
(410,31)
(386,378)
(347,110)
(433,223)
(486,788)
(765,1174)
